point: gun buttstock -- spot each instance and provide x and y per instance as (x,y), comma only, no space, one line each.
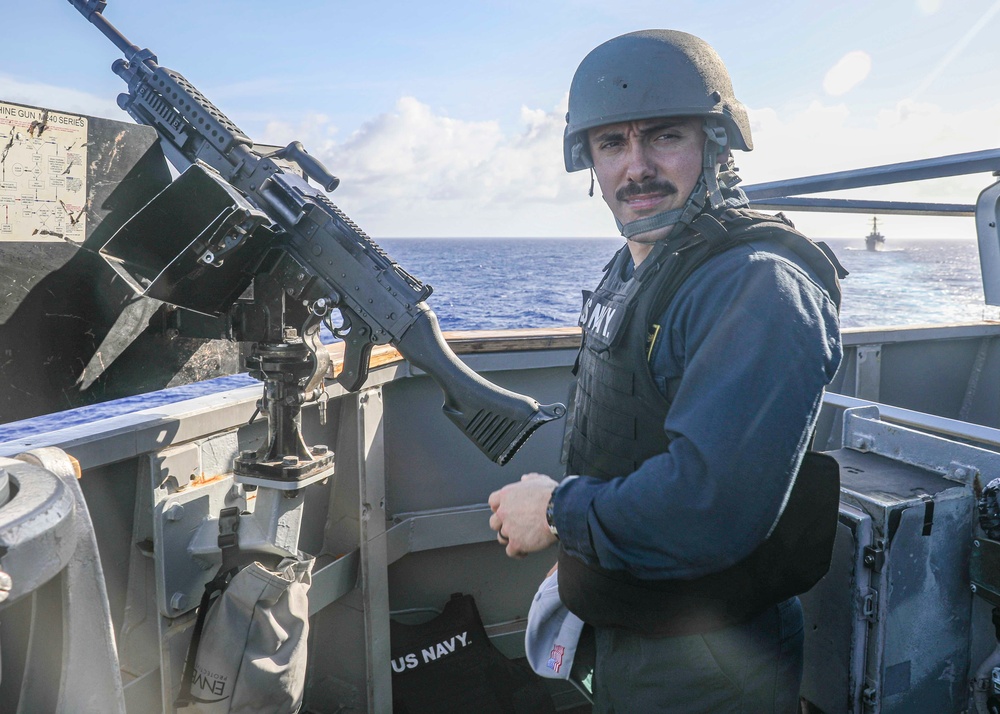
(500,426)
(496,420)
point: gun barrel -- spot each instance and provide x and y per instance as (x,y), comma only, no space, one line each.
(92,10)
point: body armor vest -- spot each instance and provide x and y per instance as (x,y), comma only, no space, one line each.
(449,666)
(618,413)
(618,423)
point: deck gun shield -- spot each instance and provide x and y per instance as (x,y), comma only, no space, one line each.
(195,245)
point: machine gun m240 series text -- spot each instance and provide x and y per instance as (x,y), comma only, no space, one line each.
(244,221)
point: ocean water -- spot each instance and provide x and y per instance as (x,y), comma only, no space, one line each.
(514,283)
(915,282)
(522,282)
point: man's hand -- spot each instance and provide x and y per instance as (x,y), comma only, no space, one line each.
(519,514)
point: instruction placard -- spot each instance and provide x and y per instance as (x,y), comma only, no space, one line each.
(43,175)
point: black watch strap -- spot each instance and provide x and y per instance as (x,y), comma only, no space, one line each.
(550,514)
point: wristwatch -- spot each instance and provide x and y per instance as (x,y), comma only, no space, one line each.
(550,514)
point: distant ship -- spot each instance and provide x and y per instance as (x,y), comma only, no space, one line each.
(874,240)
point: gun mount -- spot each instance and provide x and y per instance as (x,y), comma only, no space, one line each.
(241,236)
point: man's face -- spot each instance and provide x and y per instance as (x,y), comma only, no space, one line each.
(647,167)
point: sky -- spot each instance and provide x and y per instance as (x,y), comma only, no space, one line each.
(445,118)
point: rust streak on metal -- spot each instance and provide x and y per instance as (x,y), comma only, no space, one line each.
(206,479)
(72,221)
(44,232)
(39,124)
(60,314)
(6,149)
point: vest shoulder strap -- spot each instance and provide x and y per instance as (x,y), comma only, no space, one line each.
(747,225)
(738,225)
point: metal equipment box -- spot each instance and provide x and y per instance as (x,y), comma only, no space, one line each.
(888,628)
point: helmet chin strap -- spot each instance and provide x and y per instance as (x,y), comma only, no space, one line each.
(707,189)
(677,217)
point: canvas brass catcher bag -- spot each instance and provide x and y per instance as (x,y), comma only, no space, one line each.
(249,644)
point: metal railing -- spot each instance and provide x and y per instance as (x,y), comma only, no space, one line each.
(787,195)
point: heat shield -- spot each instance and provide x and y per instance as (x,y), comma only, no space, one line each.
(196,245)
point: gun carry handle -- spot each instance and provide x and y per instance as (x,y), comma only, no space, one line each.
(312,166)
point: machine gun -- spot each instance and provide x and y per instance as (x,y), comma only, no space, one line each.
(237,222)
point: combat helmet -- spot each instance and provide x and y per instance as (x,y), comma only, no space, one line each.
(660,73)
(648,74)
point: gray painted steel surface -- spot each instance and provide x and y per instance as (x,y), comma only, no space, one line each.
(53,583)
(402,522)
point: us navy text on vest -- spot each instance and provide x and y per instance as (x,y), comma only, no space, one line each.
(444,648)
(600,316)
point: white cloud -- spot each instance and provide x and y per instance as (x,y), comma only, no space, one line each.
(823,138)
(414,172)
(66,100)
(849,72)
(826,138)
(928,7)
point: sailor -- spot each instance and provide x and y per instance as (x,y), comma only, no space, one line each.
(706,349)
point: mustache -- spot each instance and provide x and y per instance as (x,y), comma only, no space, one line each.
(661,186)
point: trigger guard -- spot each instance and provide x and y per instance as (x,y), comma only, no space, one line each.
(344,330)
(354,371)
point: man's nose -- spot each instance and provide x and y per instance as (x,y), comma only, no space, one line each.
(639,167)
